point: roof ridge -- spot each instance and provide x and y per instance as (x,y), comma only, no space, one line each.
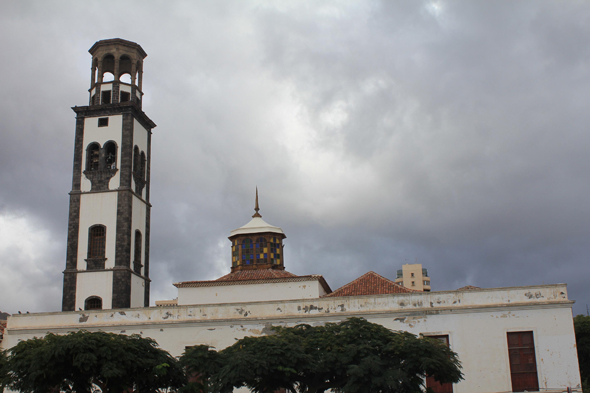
(358,283)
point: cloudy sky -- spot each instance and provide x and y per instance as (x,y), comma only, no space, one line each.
(379,133)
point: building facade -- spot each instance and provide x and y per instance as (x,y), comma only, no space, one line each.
(413,276)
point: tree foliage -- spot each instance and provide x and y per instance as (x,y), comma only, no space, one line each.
(351,356)
(3,370)
(582,329)
(83,362)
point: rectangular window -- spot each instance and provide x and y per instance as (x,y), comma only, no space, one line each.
(105,97)
(125,96)
(523,365)
(436,386)
(103,121)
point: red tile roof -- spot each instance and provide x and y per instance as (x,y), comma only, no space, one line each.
(258,274)
(2,327)
(370,283)
(255,276)
(468,288)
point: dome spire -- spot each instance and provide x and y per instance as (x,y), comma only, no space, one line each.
(256,208)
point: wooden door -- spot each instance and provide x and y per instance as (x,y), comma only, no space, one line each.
(523,365)
(436,386)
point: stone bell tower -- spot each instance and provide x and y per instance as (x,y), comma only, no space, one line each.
(107,262)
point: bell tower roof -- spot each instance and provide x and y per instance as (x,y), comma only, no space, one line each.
(256,224)
(257,245)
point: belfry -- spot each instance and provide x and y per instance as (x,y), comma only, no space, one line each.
(107,261)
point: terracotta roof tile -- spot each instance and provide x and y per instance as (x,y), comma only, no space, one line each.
(259,274)
(2,327)
(468,288)
(370,283)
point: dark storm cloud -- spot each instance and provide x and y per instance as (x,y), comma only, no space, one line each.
(380,133)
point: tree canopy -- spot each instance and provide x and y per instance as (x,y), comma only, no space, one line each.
(83,361)
(3,370)
(352,356)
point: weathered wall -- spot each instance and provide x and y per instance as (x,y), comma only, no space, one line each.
(275,291)
(476,322)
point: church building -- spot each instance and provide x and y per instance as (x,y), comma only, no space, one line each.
(508,339)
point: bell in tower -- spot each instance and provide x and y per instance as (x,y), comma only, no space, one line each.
(107,262)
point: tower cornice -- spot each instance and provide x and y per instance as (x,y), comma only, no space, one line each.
(115,109)
(117,41)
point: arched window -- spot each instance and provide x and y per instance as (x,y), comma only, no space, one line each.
(247,252)
(137,253)
(96,241)
(93,303)
(136,159)
(108,68)
(260,250)
(142,166)
(124,67)
(110,155)
(92,156)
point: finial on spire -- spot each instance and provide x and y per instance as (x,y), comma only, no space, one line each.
(256,208)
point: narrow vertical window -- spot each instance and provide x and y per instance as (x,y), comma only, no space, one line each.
(92,157)
(523,365)
(142,166)
(97,242)
(137,253)
(110,155)
(136,160)
(260,245)
(436,386)
(247,252)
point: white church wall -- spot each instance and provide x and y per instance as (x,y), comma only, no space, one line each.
(477,323)
(94,133)
(94,284)
(97,208)
(250,292)
(137,291)
(138,222)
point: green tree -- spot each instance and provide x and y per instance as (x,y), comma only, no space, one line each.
(3,371)
(582,329)
(84,362)
(352,356)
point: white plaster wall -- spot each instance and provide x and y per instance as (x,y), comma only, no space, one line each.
(126,88)
(476,322)
(250,293)
(94,284)
(138,222)
(97,208)
(106,86)
(93,133)
(137,291)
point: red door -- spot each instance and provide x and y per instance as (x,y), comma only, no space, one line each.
(523,366)
(436,386)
